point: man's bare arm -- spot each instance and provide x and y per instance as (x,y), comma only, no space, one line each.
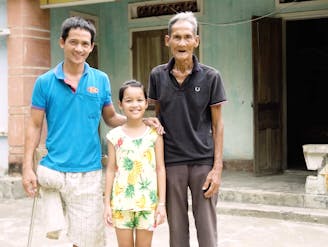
(32,140)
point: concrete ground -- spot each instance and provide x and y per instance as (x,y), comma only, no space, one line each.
(234,231)
(252,211)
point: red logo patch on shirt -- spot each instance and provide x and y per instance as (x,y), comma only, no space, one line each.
(93,90)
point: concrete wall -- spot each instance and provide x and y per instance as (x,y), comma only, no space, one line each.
(227,45)
(225,32)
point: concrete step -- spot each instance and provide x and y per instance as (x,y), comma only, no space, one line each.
(319,216)
(261,197)
(11,187)
(264,203)
(274,198)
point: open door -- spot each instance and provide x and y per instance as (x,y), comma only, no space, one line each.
(267,79)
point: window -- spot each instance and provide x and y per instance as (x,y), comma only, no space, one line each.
(298,2)
(289,1)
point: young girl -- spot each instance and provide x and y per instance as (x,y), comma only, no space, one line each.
(135,176)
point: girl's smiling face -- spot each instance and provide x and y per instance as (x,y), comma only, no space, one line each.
(134,103)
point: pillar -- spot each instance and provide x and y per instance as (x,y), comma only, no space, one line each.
(28,56)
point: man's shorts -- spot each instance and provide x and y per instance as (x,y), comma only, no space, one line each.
(81,195)
(125,219)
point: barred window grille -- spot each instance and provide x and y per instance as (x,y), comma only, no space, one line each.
(166,9)
(290,1)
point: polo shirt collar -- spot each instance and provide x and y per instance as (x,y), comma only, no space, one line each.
(170,64)
(59,73)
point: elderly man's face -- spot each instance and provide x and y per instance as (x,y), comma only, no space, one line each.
(182,40)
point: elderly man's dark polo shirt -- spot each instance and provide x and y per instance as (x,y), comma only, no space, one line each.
(185,111)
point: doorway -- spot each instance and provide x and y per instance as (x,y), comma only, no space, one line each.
(306,86)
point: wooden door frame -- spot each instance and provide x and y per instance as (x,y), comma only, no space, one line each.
(267,98)
(131,31)
(288,17)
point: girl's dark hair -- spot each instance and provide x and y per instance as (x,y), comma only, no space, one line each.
(130,83)
(77,22)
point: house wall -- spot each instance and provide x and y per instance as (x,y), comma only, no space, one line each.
(223,45)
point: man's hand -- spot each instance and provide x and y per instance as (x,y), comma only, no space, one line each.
(154,123)
(29,182)
(212,183)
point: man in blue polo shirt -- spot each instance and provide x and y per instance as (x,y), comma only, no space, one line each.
(73,97)
(188,97)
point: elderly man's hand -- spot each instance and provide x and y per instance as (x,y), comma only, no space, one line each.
(212,183)
(154,123)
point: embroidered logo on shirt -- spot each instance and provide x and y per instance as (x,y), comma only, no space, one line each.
(92,90)
(197,89)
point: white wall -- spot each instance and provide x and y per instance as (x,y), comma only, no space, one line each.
(3,91)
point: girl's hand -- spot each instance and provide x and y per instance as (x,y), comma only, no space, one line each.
(108,216)
(160,215)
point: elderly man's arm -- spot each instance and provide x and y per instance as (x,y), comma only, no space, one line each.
(214,177)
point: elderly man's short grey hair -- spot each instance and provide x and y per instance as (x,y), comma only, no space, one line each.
(183,16)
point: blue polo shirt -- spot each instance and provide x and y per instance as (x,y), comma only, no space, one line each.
(73,118)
